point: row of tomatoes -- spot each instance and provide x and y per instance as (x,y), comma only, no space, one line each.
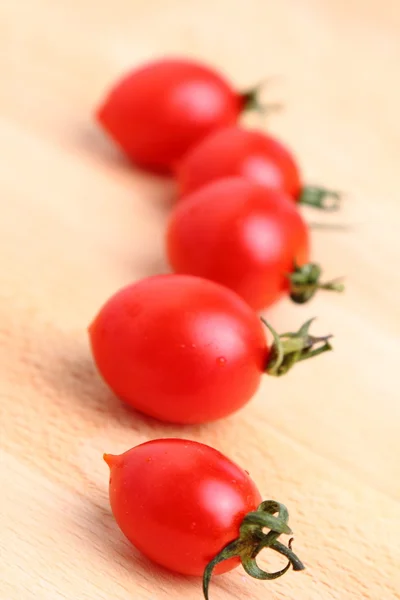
(189,347)
(237,220)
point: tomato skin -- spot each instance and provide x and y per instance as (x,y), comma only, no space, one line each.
(180,502)
(241,235)
(235,151)
(179,348)
(157,112)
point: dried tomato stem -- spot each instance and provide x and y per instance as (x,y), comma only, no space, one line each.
(290,348)
(335,285)
(251,99)
(252,540)
(320,197)
(304,283)
(331,226)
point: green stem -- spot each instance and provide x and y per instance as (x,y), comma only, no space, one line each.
(305,282)
(289,348)
(251,567)
(252,540)
(290,555)
(320,197)
(230,551)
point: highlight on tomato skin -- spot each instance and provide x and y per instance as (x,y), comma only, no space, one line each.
(183,349)
(155,113)
(235,151)
(190,509)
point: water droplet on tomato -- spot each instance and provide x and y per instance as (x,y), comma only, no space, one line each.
(221,360)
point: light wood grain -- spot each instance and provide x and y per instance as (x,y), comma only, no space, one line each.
(77,223)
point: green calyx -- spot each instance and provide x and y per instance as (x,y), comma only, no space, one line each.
(289,348)
(252,540)
(320,197)
(304,282)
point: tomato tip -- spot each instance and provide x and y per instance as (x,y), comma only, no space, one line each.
(91,326)
(108,458)
(101,116)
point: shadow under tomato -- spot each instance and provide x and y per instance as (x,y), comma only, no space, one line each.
(112,543)
(151,265)
(95,141)
(77,383)
(159,188)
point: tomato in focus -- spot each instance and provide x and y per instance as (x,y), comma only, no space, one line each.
(241,235)
(157,112)
(180,502)
(189,508)
(179,348)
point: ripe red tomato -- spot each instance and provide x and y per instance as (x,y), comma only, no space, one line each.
(157,112)
(180,348)
(235,151)
(187,507)
(187,350)
(180,502)
(241,235)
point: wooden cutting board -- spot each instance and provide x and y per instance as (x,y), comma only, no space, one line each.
(77,223)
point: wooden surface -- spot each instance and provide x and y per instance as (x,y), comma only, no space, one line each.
(77,223)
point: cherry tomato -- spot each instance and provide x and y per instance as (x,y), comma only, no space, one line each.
(235,151)
(241,235)
(187,350)
(180,348)
(189,508)
(157,112)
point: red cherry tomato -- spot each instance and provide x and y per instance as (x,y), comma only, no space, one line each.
(157,112)
(187,350)
(235,151)
(180,502)
(180,348)
(190,509)
(241,235)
